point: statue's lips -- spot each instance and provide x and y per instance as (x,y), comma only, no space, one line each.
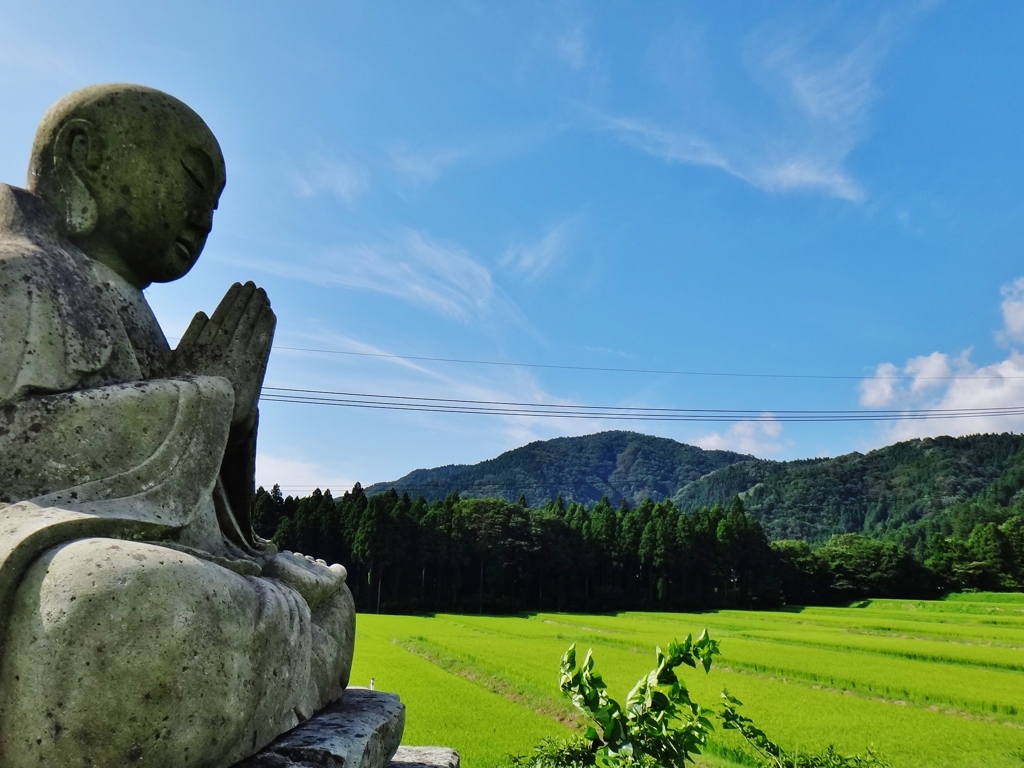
(189,243)
(183,247)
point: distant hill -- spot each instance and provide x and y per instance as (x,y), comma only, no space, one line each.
(901,486)
(614,464)
(876,493)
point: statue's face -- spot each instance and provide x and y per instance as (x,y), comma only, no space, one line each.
(156,192)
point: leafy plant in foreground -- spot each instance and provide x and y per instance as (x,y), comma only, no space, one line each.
(659,725)
(556,753)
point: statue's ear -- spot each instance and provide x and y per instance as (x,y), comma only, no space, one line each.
(77,151)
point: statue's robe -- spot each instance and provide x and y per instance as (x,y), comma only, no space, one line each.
(140,620)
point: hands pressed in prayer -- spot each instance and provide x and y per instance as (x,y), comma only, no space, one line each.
(234,343)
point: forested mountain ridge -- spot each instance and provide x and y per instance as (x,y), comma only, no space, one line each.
(619,465)
(891,492)
(877,493)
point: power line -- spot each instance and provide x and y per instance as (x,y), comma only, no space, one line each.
(603,369)
(614,413)
(612,369)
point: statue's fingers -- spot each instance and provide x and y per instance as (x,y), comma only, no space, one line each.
(228,331)
(227,303)
(210,332)
(261,332)
(258,304)
(261,343)
(195,328)
(251,322)
(257,350)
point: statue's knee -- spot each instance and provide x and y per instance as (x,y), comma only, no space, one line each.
(118,649)
(132,593)
(334,637)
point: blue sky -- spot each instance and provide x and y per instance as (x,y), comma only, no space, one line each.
(823,189)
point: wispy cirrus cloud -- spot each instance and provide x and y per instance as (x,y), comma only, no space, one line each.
(944,382)
(572,47)
(808,172)
(407,265)
(325,175)
(376,367)
(423,167)
(815,87)
(532,260)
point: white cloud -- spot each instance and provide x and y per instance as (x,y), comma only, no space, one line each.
(532,260)
(1013,312)
(408,266)
(825,86)
(817,85)
(297,478)
(880,390)
(674,146)
(792,173)
(758,438)
(942,382)
(346,180)
(1000,385)
(423,167)
(572,48)
(930,371)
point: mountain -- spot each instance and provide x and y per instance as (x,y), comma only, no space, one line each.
(876,493)
(619,465)
(893,491)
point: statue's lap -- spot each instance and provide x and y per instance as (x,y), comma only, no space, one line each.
(117,651)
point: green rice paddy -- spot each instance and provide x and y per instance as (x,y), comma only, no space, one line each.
(923,683)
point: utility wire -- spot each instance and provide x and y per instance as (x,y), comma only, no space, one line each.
(614,413)
(602,369)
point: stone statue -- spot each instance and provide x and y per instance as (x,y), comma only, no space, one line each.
(141,620)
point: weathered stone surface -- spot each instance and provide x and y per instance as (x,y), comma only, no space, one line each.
(425,757)
(141,620)
(363,730)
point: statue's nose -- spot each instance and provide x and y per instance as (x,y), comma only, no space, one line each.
(202,218)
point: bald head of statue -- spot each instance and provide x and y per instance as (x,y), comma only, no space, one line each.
(134,176)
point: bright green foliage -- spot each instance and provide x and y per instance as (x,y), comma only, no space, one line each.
(659,725)
(773,756)
(443,707)
(865,567)
(552,753)
(928,684)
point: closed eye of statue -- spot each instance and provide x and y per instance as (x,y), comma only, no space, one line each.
(193,176)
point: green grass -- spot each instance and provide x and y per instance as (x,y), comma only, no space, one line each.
(443,708)
(988,597)
(924,683)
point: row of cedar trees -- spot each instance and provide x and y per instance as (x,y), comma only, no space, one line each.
(489,555)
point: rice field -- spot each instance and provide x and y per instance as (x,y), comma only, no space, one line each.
(923,683)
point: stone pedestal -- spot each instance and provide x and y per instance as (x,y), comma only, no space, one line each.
(425,757)
(363,730)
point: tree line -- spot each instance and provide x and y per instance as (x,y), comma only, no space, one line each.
(495,556)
